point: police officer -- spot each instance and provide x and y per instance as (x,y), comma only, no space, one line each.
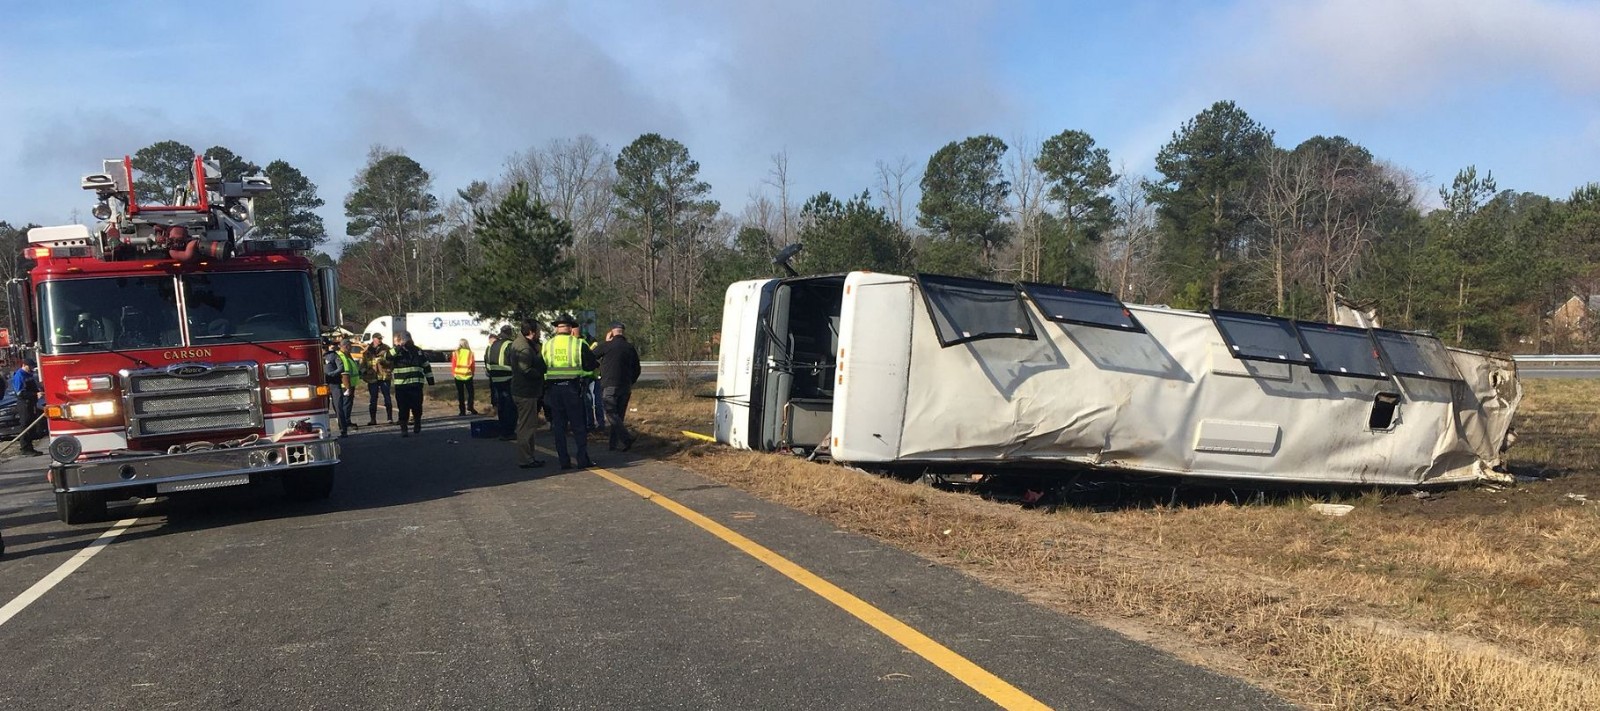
(349,380)
(26,385)
(619,370)
(566,358)
(411,370)
(497,361)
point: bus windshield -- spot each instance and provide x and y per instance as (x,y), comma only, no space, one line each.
(87,315)
(249,306)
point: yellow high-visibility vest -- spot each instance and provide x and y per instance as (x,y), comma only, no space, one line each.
(461,364)
(563,357)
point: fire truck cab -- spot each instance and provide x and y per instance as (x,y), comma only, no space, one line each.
(177,349)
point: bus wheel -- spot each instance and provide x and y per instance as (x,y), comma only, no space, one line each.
(312,484)
(75,507)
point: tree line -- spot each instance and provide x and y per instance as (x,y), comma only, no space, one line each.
(1229,219)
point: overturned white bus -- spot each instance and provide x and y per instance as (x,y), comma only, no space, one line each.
(888,371)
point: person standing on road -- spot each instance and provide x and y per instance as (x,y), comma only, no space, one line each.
(462,365)
(593,406)
(566,359)
(349,380)
(376,366)
(497,361)
(527,385)
(619,370)
(26,385)
(411,369)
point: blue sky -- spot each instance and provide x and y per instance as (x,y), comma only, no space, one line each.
(1511,86)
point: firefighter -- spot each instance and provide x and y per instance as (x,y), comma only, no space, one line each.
(376,367)
(566,358)
(411,369)
(462,364)
(497,361)
(26,385)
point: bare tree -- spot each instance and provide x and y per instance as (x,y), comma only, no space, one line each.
(1027,204)
(574,178)
(1280,201)
(778,178)
(1127,255)
(894,181)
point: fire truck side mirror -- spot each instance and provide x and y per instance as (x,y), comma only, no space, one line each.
(328,301)
(21,310)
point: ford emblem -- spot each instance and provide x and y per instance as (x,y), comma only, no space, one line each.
(188,370)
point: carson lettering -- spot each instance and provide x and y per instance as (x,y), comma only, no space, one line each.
(189,354)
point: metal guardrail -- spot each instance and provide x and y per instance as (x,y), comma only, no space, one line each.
(1576,359)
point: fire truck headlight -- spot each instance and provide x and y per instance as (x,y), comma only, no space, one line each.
(291,394)
(86,384)
(293,369)
(89,410)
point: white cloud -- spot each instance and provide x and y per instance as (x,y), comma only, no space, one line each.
(1383,55)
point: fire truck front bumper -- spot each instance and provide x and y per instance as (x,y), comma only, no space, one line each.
(187,471)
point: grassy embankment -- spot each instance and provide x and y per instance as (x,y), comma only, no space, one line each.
(1479,598)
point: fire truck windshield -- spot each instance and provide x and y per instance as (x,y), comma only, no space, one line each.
(87,315)
(99,314)
(249,306)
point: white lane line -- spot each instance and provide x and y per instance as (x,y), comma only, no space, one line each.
(21,602)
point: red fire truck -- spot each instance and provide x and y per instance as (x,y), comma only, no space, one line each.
(177,349)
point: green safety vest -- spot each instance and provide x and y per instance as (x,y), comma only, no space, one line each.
(563,355)
(351,368)
(589,346)
(497,362)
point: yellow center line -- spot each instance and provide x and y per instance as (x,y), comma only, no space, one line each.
(996,689)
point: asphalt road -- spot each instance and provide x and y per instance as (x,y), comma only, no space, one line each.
(440,576)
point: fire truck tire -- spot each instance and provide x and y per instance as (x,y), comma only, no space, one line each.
(309,484)
(75,507)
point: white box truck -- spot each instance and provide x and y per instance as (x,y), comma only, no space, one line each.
(436,332)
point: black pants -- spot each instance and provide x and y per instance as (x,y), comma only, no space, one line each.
(373,388)
(566,415)
(616,400)
(409,398)
(504,407)
(27,412)
(466,399)
(345,401)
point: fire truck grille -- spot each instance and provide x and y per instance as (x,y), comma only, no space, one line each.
(179,403)
(165,402)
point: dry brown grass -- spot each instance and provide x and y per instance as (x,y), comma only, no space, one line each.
(1480,599)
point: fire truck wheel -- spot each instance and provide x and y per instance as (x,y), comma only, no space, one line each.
(309,484)
(75,507)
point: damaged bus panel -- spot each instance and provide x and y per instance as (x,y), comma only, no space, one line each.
(885,371)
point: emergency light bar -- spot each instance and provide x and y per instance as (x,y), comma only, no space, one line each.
(258,246)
